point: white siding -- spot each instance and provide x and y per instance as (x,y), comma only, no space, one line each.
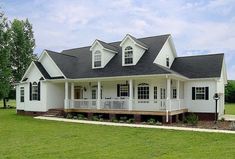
(55,95)
(50,66)
(137,51)
(166,52)
(206,106)
(33,76)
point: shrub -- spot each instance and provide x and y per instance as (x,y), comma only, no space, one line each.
(123,119)
(95,118)
(131,120)
(191,119)
(222,119)
(80,117)
(114,120)
(151,121)
(69,116)
(158,123)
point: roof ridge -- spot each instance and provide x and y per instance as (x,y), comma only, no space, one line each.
(59,53)
(111,43)
(214,54)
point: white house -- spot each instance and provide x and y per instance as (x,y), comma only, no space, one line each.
(134,76)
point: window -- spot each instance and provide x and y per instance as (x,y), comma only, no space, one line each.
(155,92)
(163,93)
(200,93)
(124,90)
(143,92)
(167,62)
(35,91)
(21,94)
(78,92)
(128,55)
(174,93)
(97,59)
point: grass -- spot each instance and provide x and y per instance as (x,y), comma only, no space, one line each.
(230,108)
(25,137)
(10,102)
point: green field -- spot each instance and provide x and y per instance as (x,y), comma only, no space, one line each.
(10,102)
(230,108)
(25,137)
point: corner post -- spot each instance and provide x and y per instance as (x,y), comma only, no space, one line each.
(66,100)
(72,95)
(168,94)
(98,95)
(178,93)
(130,94)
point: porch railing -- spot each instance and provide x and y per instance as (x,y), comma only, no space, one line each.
(126,104)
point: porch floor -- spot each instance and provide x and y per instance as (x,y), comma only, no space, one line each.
(113,111)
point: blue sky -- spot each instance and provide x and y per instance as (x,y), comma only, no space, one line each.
(197,27)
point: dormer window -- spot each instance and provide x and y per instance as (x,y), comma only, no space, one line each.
(167,62)
(128,55)
(97,59)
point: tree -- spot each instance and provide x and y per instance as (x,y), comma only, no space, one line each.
(230,92)
(22,47)
(5,68)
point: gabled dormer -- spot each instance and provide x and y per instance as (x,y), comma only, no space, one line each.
(167,54)
(132,50)
(102,53)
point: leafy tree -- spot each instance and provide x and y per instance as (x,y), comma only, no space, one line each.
(5,68)
(22,47)
(230,92)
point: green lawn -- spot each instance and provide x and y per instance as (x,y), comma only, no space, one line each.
(10,102)
(25,137)
(230,108)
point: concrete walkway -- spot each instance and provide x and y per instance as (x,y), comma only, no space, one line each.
(228,117)
(134,125)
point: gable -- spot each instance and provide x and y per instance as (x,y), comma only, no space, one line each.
(167,51)
(32,73)
(50,65)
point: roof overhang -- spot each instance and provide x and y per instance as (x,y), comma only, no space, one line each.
(129,37)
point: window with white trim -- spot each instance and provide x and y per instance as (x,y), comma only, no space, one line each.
(143,92)
(128,55)
(155,92)
(21,94)
(174,93)
(35,91)
(97,59)
(163,93)
(200,93)
(124,90)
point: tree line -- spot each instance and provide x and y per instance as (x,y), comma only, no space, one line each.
(230,92)
(17,44)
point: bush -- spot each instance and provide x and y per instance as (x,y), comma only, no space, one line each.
(222,119)
(114,120)
(191,119)
(131,120)
(158,123)
(232,125)
(151,121)
(80,117)
(123,119)
(69,116)
(95,118)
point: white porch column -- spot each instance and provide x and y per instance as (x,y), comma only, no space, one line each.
(130,94)
(66,100)
(98,95)
(72,95)
(178,92)
(168,94)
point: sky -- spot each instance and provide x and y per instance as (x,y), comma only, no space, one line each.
(197,27)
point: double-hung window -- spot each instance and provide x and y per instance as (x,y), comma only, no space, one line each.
(97,59)
(21,94)
(35,91)
(167,62)
(174,93)
(143,92)
(124,90)
(128,58)
(200,93)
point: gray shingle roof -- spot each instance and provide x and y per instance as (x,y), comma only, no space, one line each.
(42,70)
(107,46)
(77,63)
(138,41)
(202,66)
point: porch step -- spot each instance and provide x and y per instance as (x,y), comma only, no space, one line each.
(54,113)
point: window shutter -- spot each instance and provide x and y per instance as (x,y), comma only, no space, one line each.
(30,91)
(207,93)
(118,90)
(39,88)
(193,93)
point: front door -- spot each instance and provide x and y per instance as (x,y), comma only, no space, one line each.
(94,96)
(77,92)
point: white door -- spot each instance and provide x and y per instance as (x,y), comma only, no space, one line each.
(163,98)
